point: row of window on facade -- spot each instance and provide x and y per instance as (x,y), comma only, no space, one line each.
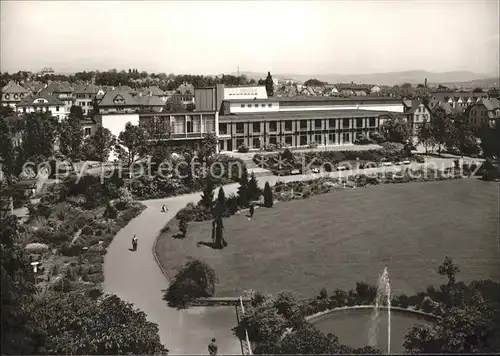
(231,94)
(257,105)
(16,96)
(301,140)
(41,109)
(273,125)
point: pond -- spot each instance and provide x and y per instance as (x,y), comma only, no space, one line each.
(352,326)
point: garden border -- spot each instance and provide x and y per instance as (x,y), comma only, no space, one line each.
(311,318)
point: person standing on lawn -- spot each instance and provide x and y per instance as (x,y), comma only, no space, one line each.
(251,210)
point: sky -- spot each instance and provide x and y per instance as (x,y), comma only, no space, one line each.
(213,37)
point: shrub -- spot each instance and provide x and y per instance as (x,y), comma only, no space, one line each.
(243,148)
(268,196)
(87,230)
(121,205)
(110,212)
(232,204)
(183,225)
(186,213)
(195,280)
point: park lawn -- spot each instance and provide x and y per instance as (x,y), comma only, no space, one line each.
(335,240)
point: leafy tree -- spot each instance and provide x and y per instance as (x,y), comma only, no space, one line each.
(253,189)
(173,107)
(71,135)
(465,138)
(208,147)
(490,141)
(7,152)
(76,324)
(440,128)
(471,329)
(110,212)
(424,135)
(196,279)
(76,111)
(38,137)
(207,197)
(269,85)
(243,188)
(19,335)
(133,138)
(268,196)
(448,269)
(314,83)
(396,129)
(98,146)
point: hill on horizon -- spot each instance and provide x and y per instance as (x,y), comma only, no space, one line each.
(389,78)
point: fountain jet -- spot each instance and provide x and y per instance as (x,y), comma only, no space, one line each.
(383,293)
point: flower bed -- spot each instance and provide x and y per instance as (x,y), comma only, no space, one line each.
(170,184)
(77,239)
(330,159)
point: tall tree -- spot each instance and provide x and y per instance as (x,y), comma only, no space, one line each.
(253,188)
(18,333)
(268,196)
(424,135)
(269,85)
(207,196)
(465,138)
(440,124)
(98,146)
(7,153)
(208,147)
(77,324)
(71,136)
(396,129)
(38,137)
(243,188)
(133,138)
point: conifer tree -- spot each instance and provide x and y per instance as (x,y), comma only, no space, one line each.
(268,196)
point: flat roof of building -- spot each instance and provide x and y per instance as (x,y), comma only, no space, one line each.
(321,100)
(309,114)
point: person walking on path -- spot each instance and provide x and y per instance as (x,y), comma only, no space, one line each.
(164,209)
(212,347)
(251,210)
(134,243)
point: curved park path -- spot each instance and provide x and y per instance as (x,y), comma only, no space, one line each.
(137,278)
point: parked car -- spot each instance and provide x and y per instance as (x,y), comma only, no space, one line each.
(387,164)
(295,172)
(406,162)
(315,170)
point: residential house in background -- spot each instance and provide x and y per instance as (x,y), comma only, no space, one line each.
(84,97)
(185,88)
(150,103)
(156,92)
(117,101)
(43,102)
(62,90)
(484,112)
(416,112)
(13,94)
(375,89)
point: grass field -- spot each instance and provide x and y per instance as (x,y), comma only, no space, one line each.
(337,239)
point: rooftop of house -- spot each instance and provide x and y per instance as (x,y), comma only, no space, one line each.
(86,89)
(186,88)
(310,114)
(58,87)
(154,90)
(491,104)
(13,88)
(149,101)
(117,97)
(30,100)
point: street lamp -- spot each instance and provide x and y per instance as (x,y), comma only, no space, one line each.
(326,138)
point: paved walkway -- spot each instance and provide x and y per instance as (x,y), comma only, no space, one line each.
(136,277)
